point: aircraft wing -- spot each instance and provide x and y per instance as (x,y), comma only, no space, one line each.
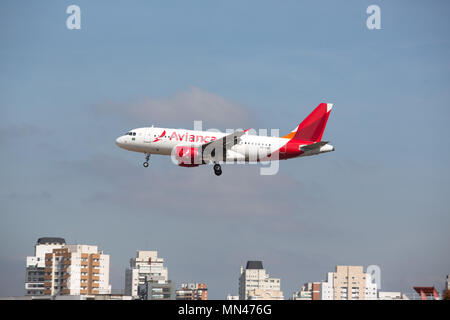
(227,141)
(218,148)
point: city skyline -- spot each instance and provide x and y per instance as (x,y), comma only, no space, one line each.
(148,266)
(379,199)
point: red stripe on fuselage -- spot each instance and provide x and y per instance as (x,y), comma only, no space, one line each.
(291,149)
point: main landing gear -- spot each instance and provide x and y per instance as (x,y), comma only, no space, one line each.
(217,169)
(147,157)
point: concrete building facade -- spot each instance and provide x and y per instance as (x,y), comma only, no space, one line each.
(253,277)
(309,291)
(156,290)
(349,283)
(147,266)
(346,283)
(326,288)
(76,270)
(266,294)
(384,295)
(35,265)
(192,291)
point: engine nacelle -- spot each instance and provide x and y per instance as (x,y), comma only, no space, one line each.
(187,165)
(188,156)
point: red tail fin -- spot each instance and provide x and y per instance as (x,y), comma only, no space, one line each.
(312,128)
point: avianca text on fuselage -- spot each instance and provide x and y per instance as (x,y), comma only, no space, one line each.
(186,137)
(191,148)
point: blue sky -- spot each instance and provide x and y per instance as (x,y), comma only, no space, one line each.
(380,198)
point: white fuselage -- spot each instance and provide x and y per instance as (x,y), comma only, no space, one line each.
(249,148)
(153,140)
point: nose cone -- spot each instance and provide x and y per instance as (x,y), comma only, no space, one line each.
(119,142)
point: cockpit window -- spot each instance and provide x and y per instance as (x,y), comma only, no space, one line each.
(134,133)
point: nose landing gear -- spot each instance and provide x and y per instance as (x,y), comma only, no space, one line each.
(217,169)
(147,158)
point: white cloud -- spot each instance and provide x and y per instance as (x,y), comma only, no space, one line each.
(183,108)
(240,191)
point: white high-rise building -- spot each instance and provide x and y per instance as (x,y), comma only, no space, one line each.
(76,270)
(351,283)
(145,267)
(253,277)
(371,288)
(326,288)
(34,277)
(347,283)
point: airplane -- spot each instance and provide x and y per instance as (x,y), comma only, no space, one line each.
(193,148)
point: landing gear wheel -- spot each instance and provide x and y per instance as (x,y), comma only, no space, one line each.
(147,157)
(217,169)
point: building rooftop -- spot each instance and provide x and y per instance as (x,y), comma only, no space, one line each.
(254,265)
(46,240)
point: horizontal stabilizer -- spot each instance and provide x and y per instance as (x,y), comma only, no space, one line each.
(313,146)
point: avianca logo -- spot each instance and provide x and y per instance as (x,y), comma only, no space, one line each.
(159,138)
(191,138)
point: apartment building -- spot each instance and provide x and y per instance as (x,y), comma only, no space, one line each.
(349,283)
(192,291)
(146,266)
(309,291)
(76,270)
(35,265)
(253,277)
(264,294)
(346,283)
(155,289)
